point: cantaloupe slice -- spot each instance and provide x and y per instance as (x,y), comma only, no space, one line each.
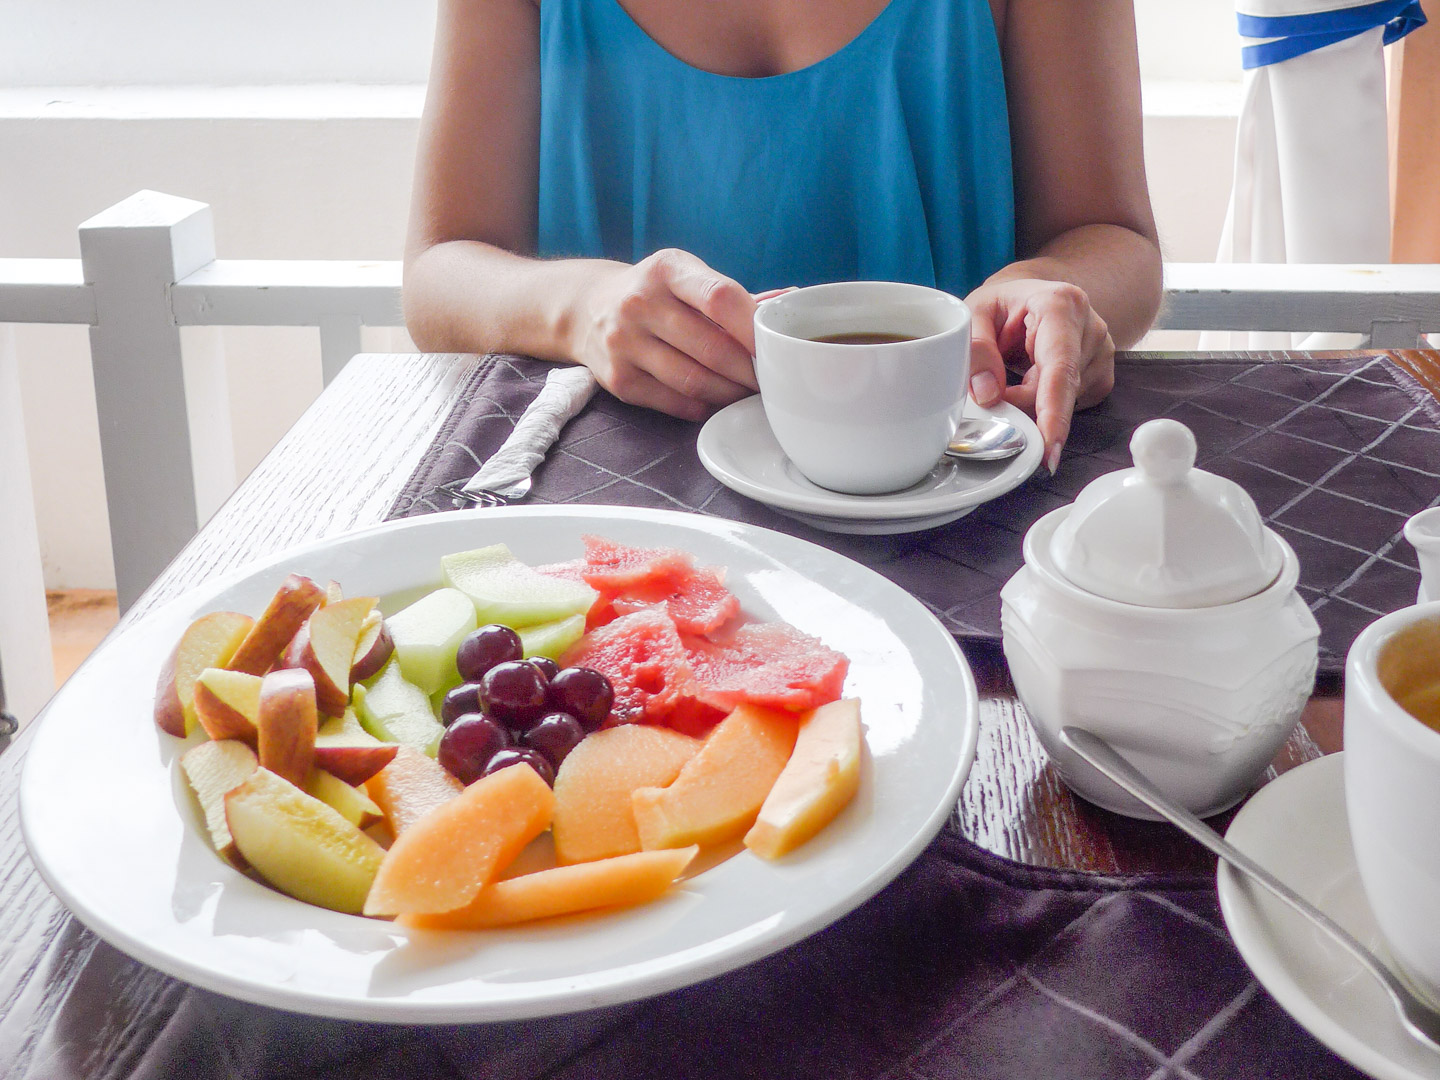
(441,861)
(410,787)
(820,778)
(624,880)
(593,816)
(720,790)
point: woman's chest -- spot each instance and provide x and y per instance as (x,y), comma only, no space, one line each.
(758,38)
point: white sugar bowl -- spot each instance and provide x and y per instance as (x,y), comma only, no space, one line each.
(1159,612)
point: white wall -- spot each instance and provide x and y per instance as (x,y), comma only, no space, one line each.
(311,169)
(213,42)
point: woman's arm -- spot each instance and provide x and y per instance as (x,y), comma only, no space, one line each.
(668,333)
(1088,276)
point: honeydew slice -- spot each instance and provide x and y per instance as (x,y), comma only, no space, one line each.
(551,638)
(507,591)
(393,709)
(817,782)
(301,846)
(607,883)
(441,861)
(718,793)
(426,635)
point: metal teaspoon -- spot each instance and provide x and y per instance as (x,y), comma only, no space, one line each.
(985,439)
(1418,1018)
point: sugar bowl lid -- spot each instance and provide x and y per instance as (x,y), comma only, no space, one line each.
(1164,533)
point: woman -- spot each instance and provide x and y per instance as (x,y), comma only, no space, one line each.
(685,154)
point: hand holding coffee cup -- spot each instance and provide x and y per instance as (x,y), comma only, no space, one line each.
(864,382)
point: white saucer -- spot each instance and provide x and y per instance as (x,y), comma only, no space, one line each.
(738,448)
(1296,827)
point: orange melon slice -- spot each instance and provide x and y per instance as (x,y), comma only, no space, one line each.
(441,861)
(619,882)
(410,787)
(720,790)
(593,817)
(820,778)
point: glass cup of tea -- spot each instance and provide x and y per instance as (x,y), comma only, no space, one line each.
(863,382)
(1392,783)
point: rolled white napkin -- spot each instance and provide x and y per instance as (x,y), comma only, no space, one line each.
(565,393)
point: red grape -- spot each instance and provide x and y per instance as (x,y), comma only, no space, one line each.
(583,693)
(514,692)
(546,665)
(465,698)
(515,755)
(486,647)
(555,734)
(470,744)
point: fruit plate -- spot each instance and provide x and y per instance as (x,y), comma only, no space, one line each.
(115,832)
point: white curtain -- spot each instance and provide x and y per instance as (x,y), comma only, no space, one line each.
(1311,161)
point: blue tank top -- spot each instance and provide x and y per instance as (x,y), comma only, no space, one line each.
(888,160)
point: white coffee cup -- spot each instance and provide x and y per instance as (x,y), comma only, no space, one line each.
(863,418)
(1392,785)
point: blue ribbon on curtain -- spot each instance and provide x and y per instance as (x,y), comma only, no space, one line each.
(1296,35)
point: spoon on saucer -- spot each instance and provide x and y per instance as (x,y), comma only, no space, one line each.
(1418,1018)
(985,439)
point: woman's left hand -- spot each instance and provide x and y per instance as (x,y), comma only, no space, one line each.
(1048,331)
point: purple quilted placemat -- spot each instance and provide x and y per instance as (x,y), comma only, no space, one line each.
(965,966)
(1337,452)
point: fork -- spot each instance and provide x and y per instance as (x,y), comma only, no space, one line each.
(501,496)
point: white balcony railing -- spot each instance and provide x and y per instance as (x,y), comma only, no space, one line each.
(148,268)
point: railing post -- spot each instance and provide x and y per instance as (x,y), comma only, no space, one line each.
(28,671)
(132,254)
(1395,334)
(339,341)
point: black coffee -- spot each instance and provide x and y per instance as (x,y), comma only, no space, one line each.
(865,337)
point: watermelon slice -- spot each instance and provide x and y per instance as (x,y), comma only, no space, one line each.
(642,656)
(629,578)
(699,603)
(768,664)
(612,567)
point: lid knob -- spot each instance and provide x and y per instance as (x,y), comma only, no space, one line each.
(1164,450)
(1166,534)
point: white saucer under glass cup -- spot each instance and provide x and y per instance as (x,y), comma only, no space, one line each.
(863,382)
(1392,783)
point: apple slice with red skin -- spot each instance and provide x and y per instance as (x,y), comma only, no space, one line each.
(209,641)
(227,704)
(374,648)
(286,724)
(287,611)
(328,653)
(333,592)
(347,750)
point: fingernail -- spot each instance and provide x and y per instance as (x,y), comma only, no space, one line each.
(984,387)
(1052,458)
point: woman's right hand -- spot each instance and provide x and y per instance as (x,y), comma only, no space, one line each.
(668,333)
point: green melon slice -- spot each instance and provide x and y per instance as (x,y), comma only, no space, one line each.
(505,590)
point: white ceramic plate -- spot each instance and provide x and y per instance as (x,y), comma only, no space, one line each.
(738,448)
(1296,828)
(115,833)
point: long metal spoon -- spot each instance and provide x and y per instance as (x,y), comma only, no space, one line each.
(985,439)
(1419,1019)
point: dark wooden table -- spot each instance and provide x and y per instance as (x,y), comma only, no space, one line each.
(68,1002)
